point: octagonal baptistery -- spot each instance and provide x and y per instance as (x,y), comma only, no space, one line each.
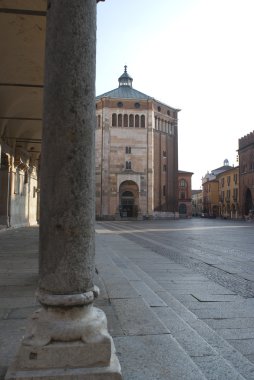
(136,155)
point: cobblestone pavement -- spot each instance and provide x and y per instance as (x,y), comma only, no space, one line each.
(222,251)
(177,295)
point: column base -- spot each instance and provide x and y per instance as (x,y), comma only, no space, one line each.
(110,372)
(66,343)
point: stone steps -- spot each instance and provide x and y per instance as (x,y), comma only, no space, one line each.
(143,308)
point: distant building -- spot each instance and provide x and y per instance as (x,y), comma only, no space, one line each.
(197,202)
(246,170)
(211,198)
(136,154)
(229,193)
(184,194)
(212,206)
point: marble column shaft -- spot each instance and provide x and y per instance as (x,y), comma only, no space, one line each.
(67,167)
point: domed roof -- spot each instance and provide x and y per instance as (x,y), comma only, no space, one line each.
(125,79)
(125,89)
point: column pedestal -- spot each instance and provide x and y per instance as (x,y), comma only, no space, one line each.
(66,344)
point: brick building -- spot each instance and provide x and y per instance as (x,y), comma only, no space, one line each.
(246,170)
(136,154)
(184,194)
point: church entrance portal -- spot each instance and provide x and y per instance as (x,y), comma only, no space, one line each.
(128,205)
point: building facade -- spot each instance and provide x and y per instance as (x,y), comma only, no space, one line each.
(136,155)
(221,192)
(184,194)
(197,202)
(229,193)
(246,174)
(211,198)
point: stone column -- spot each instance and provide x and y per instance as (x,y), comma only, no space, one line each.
(68,337)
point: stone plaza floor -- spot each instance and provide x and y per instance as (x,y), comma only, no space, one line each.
(159,330)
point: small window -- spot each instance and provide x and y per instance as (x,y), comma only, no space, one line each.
(136,121)
(128,165)
(128,150)
(164,168)
(168,112)
(114,120)
(120,120)
(120,104)
(125,121)
(182,195)
(164,190)
(228,180)
(137,105)
(131,121)
(159,108)
(143,121)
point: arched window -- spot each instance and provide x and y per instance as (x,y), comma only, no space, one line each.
(131,121)
(136,121)
(125,120)
(120,120)
(114,120)
(183,183)
(143,121)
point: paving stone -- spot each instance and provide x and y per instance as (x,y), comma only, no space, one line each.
(22,312)
(114,326)
(149,296)
(240,333)
(169,360)
(136,318)
(228,323)
(11,333)
(215,368)
(16,302)
(119,287)
(226,350)
(186,336)
(179,308)
(207,297)
(17,291)
(245,346)
(224,312)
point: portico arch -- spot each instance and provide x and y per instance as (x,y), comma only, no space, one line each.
(128,199)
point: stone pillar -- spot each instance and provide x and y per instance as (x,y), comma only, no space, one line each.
(68,337)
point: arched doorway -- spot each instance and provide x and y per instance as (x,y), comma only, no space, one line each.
(248,205)
(182,209)
(128,199)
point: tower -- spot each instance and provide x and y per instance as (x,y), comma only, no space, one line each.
(136,154)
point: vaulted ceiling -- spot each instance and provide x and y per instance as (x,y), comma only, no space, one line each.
(22,30)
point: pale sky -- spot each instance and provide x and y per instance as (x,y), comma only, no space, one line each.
(195,55)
